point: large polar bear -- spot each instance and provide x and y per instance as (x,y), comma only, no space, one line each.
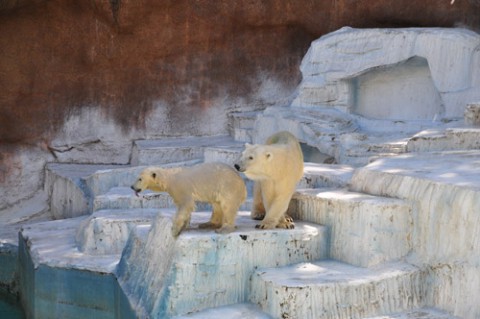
(276,168)
(214,183)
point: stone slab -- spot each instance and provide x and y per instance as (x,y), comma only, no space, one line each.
(325,175)
(337,61)
(202,269)
(449,139)
(331,289)
(472,114)
(365,230)
(169,150)
(106,232)
(237,311)
(422,313)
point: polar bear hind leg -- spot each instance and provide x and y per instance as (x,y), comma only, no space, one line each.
(229,213)
(216,220)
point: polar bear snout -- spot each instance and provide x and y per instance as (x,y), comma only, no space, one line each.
(136,190)
(239,168)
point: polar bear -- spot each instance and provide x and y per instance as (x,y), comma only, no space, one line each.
(276,168)
(214,183)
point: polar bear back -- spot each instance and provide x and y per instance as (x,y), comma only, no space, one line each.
(209,182)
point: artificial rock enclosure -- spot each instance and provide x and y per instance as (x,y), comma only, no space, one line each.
(383,96)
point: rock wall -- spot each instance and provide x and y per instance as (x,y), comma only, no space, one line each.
(82,79)
(396,74)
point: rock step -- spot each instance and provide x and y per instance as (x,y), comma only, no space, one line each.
(422,313)
(171,150)
(360,149)
(444,140)
(334,290)
(242,124)
(445,186)
(325,175)
(106,232)
(224,154)
(236,311)
(124,198)
(69,187)
(88,249)
(58,280)
(73,187)
(206,269)
(365,230)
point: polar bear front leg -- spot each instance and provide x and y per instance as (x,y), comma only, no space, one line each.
(182,218)
(275,216)
(258,209)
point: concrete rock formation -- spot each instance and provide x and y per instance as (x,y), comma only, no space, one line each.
(390,229)
(397,74)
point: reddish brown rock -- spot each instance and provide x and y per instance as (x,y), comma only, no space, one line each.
(61,55)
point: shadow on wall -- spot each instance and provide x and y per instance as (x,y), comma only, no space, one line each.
(313,155)
(404,91)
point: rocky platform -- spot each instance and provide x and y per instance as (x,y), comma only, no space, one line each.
(389,232)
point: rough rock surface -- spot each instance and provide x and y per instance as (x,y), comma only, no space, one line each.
(398,74)
(81,80)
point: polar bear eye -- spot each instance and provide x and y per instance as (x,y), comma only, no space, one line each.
(250,157)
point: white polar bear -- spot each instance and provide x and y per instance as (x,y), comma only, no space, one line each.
(214,183)
(276,168)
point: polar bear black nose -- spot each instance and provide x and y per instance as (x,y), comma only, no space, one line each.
(237,167)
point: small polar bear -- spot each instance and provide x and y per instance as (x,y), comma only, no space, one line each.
(276,168)
(214,183)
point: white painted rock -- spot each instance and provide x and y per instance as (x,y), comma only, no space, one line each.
(472,114)
(406,74)
(201,269)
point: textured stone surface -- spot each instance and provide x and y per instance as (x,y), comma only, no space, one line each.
(201,269)
(237,311)
(81,81)
(445,140)
(171,150)
(398,74)
(106,232)
(334,290)
(447,190)
(183,57)
(365,230)
(472,114)
(422,313)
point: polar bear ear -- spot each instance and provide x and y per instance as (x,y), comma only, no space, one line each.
(247,145)
(154,175)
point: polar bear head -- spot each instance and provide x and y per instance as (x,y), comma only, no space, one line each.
(255,161)
(150,178)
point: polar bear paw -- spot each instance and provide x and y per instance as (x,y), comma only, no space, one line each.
(286,223)
(257,215)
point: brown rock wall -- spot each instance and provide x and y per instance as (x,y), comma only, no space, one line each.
(122,55)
